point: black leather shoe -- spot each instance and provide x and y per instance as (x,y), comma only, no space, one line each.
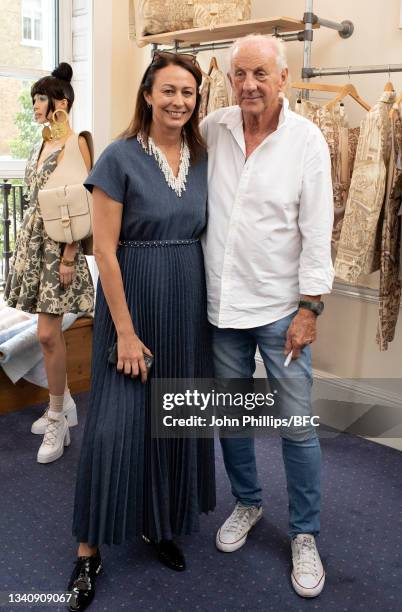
(169,554)
(82,581)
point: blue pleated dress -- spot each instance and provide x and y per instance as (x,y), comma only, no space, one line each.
(129,484)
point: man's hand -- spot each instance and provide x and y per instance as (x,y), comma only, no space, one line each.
(302,331)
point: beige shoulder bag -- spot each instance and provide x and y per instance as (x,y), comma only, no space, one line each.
(65,204)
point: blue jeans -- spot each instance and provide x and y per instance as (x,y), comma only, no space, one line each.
(234,357)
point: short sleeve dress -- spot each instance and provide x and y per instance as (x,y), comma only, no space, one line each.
(33,284)
(129,484)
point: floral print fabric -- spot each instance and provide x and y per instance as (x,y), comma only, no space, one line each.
(33,282)
(390,284)
(342,142)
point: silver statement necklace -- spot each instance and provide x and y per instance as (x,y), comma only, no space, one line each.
(177,183)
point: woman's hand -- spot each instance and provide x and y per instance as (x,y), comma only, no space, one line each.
(130,356)
(66,275)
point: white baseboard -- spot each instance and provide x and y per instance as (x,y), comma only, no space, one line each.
(340,402)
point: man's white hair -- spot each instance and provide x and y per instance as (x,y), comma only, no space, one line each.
(277,44)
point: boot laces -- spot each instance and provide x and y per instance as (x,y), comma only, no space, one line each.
(52,430)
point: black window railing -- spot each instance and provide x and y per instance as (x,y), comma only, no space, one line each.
(12,207)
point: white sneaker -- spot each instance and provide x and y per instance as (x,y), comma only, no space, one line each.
(69,411)
(233,533)
(308,574)
(57,436)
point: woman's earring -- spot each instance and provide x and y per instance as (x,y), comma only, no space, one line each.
(59,128)
(149,105)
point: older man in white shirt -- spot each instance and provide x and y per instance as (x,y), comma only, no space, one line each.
(268,261)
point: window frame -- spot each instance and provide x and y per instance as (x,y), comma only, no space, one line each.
(31,14)
(15,168)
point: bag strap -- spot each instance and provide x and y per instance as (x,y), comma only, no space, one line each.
(89,140)
(66,223)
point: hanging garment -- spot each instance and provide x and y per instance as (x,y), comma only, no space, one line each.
(204,93)
(400,249)
(218,95)
(360,241)
(390,284)
(342,143)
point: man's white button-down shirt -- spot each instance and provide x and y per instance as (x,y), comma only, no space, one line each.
(270,218)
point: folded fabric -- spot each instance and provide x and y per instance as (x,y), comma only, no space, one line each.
(12,331)
(22,352)
(11,316)
(37,375)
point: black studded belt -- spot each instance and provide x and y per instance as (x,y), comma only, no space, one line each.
(156,243)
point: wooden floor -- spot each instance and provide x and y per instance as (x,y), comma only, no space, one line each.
(79,352)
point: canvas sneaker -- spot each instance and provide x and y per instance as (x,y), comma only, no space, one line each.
(234,531)
(308,574)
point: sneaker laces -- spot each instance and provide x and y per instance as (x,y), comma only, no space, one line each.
(306,556)
(52,430)
(238,519)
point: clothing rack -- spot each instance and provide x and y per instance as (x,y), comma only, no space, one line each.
(308,73)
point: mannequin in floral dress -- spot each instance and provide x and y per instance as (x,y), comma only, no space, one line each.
(47,277)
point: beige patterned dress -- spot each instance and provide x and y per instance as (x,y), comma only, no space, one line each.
(33,283)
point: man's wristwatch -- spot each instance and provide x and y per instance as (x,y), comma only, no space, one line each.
(316,307)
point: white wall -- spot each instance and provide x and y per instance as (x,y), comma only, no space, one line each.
(118,67)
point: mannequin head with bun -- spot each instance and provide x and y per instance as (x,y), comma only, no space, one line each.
(52,93)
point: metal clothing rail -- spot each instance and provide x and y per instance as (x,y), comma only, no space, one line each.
(308,73)
(344,28)
(197,48)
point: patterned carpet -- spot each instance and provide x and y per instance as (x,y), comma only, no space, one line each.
(361,539)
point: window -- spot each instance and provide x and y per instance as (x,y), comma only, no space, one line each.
(32,22)
(27,52)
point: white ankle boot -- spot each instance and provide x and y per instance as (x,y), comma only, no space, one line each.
(69,411)
(57,436)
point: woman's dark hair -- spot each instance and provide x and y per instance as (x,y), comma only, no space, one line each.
(141,122)
(56,86)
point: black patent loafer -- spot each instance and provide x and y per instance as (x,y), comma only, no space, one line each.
(82,581)
(169,554)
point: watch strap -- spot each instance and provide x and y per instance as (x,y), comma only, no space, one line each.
(316,307)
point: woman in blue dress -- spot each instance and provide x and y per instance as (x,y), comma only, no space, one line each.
(150,195)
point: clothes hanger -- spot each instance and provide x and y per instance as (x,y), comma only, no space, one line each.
(317,86)
(389,86)
(348,90)
(342,90)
